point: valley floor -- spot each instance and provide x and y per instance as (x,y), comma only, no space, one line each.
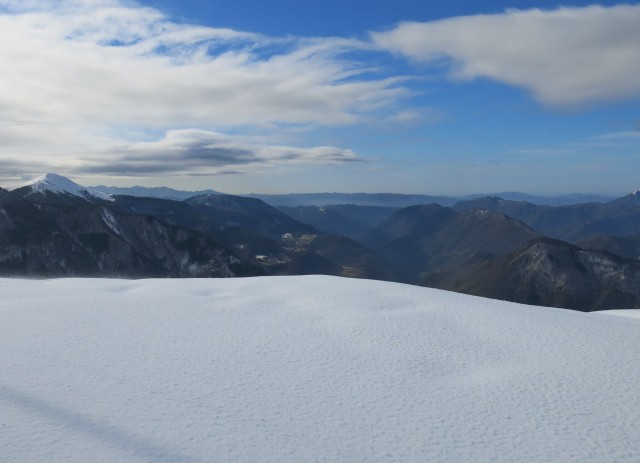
(308,368)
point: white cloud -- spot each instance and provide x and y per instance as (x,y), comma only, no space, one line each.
(76,72)
(565,57)
(104,62)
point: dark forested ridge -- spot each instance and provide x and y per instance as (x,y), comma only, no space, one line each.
(573,223)
(551,273)
(432,237)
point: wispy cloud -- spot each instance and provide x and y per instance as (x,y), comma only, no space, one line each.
(624,135)
(199,152)
(600,146)
(76,72)
(565,57)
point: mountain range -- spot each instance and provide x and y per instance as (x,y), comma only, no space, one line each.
(391,200)
(54,227)
(341,219)
(572,223)
(580,256)
(152,192)
(433,237)
(404,200)
(549,272)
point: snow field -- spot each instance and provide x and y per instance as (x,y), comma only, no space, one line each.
(308,368)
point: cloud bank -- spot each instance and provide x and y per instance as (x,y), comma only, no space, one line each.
(199,152)
(565,57)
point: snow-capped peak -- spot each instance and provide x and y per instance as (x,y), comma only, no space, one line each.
(55,183)
(633,196)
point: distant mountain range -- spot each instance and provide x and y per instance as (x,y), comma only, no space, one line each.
(392,200)
(152,192)
(489,246)
(358,199)
(572,222)
(340,219)
(405,200)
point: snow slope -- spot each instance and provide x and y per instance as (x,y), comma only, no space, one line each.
(308,369)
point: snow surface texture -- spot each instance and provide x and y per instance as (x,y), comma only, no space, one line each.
(308,369)
(58,184)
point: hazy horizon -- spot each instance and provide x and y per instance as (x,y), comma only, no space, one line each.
(13,185)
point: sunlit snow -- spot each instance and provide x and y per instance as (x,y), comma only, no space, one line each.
(308,369)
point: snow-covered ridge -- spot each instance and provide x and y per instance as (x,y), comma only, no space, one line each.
(55,183)
(290,369)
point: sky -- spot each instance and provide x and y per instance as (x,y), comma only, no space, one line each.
(304,96)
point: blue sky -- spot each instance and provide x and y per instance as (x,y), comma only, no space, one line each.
(290,96)
(333,17)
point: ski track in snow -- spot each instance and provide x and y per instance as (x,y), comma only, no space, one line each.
(308,369)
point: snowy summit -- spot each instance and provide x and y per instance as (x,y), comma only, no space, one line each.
(292,369)
(58,184)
